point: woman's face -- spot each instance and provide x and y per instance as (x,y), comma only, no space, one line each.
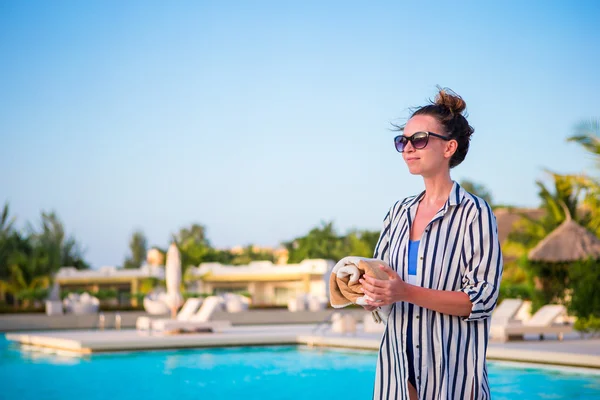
(435,157)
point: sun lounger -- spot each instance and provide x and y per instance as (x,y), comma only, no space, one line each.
(189,308)
(506,311)
(198,322)
(343,323)
(543,322)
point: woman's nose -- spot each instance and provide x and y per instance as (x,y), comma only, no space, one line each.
(408,147)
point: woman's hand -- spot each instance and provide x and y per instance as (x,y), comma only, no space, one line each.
(384,292)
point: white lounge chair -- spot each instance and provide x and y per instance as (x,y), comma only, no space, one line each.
(524,313)
(543,322)
(189,308)
(200,321)
(507,311)
(235,303)
(156,304)
(343,323)
(81,304)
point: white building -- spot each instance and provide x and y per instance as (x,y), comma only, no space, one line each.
(267,283)
(124,280)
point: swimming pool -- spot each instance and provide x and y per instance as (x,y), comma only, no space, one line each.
(278,372)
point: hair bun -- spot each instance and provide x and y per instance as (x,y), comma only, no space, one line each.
(447,98)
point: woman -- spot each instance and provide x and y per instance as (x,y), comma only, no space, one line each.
(446,267)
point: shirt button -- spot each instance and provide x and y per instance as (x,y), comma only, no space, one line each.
(419,377)
(417,317)
(421,258)
(417,346)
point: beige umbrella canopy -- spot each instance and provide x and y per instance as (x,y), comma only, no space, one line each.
(569,242)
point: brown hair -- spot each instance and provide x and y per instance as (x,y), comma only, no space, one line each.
(447,108)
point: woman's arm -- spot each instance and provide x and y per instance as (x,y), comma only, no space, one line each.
(382,249)
(384,292)
(477,297)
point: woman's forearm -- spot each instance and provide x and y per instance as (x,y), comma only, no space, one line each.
(442,301)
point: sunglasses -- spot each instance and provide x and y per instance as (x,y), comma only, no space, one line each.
(418,140)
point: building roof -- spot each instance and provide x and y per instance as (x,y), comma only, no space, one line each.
(569,242)
(506,218)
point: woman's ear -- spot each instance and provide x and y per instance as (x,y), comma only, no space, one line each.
(451,147)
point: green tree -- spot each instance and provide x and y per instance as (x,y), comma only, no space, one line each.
(193,245)
(477,189)
(577,195)
(585,280)
(249,254)
(138,247)
(320,242)
(219,256)
(9,240)
(360,243)
(325,242)
(587,134)
(57,249)
(551,279)
(371,238)
(563,197)
(28,261)
(6,223)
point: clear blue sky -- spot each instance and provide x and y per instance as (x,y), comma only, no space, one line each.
(260,119)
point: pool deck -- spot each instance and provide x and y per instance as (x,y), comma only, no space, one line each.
(572,351)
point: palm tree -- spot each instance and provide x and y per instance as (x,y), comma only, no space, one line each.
(28,261)
(19,283)
(6,242)
(556,202)
(10,243)
(6,225)
(58,249)
(587,134)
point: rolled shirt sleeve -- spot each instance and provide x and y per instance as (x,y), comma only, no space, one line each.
(481,280)
(382,252)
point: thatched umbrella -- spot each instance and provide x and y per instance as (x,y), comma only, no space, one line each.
(567,243)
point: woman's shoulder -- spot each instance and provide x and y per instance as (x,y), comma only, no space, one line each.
(400,204)
(478,203)
(478,208)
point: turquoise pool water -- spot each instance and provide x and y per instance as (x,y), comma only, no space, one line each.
(279,372)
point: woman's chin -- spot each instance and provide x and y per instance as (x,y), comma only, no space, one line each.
(414,170)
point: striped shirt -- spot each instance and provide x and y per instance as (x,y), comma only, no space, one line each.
(459,251)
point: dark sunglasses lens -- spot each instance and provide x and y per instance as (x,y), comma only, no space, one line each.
(419,141)
(400,142)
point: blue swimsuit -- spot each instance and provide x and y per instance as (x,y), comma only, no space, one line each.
(413,252)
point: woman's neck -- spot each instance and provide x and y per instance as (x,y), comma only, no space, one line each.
(437,189)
